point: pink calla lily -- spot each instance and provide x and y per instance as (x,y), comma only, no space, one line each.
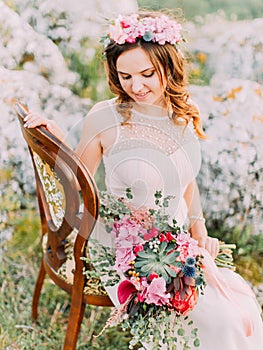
(125,289)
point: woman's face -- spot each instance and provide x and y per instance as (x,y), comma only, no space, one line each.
(139,79)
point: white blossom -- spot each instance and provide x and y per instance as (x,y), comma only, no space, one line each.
(231,177)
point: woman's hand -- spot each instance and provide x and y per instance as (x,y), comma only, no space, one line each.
(32,120)
(212,246)
(199,232)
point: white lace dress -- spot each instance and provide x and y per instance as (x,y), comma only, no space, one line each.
(155,154)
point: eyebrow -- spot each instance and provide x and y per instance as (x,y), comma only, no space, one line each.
(143,71)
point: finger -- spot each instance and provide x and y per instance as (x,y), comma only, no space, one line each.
(32,119)
(33,123)
(216,247)
(202,242)
(212,245)
(30,115)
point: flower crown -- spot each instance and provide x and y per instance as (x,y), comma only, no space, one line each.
(129,28)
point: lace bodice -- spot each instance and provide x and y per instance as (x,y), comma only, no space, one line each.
(151,153)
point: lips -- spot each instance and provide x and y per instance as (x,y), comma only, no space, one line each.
(142,95)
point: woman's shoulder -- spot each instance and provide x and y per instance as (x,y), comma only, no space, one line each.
(101,115)
(104,105)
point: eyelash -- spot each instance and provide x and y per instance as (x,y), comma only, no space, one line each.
(144,75)
(149,75)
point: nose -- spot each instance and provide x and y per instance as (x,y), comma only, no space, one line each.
(137,84)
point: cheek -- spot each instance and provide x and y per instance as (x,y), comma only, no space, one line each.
(124,84)
(158,85)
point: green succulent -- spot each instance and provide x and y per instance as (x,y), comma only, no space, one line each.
(148,261)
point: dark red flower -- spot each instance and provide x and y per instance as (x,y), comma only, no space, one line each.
(138,248)
(163,238)
(125,289)
(140,298)
(153,275)
(169,236)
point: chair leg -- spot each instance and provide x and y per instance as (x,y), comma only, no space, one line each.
(74,323)
(37,291)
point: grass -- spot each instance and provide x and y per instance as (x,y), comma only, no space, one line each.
(18,272)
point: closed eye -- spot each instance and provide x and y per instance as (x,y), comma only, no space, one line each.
(149,75)
(126,77)
(144,74)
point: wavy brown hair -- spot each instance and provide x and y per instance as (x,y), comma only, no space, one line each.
(173,63)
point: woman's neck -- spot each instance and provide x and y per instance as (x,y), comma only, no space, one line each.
(153,110)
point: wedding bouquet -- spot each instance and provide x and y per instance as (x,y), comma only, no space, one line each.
(158,268)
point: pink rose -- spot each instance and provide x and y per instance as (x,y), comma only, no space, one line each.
(156,292)
(151,234)
(124,24)
(187,245)
(123,258)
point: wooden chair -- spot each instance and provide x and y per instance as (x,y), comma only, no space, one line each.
(62,184)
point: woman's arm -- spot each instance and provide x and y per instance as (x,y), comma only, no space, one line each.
(197,226)
(89,148)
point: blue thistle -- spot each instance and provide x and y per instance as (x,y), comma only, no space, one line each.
(148,36)
(198,281)
(190,261)
(189,271)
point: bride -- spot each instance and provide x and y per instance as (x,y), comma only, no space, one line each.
(148,139)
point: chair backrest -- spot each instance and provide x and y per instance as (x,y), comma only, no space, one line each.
(61,181)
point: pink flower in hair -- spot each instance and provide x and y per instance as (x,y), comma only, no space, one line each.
(129,28)
(116,32)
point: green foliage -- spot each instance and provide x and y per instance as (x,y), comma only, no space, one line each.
(92,81)
(248,253)
(100,177)
(18,271)
(199,72)
(242,9)
(26,233)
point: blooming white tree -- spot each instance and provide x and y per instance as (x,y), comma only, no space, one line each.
(233,49)
(36,40)
(231,177)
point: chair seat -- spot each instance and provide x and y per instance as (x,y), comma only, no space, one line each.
(93,286)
